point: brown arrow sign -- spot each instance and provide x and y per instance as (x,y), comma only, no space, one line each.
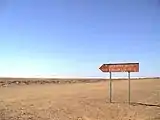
(120,67)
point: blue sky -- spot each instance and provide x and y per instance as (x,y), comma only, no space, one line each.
(69,38)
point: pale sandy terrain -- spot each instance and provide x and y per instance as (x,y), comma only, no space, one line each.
(81,101)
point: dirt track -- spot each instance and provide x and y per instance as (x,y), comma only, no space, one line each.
(81,101)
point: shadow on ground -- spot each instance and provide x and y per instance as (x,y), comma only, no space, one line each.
(145,104)
(136,104)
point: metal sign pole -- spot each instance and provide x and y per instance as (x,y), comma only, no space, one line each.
(110,87)
(129,88)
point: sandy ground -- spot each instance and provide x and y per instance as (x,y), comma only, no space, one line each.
(81,101)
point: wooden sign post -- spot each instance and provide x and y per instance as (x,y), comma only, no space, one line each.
(120,67)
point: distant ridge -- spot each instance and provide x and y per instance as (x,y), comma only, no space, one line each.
(7,81)
(77,78)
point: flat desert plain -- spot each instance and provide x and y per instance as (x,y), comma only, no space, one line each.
(81,101)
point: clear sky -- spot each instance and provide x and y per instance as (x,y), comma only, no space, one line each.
(71,38)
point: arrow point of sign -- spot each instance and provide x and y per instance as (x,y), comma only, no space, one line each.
(102,68)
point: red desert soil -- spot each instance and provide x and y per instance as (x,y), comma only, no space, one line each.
(81,101)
